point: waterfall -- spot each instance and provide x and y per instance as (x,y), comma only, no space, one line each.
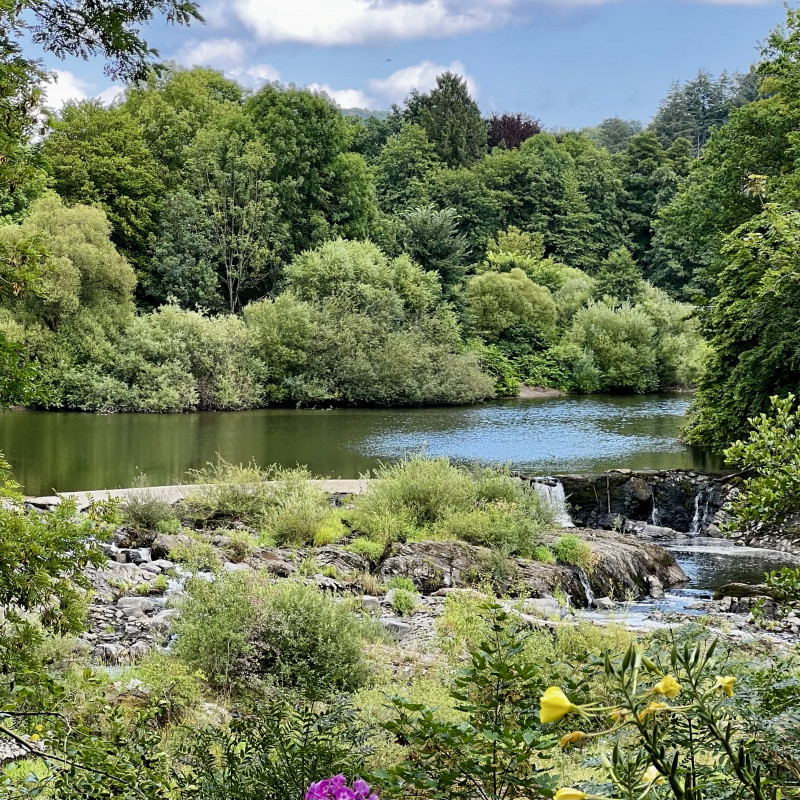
(655,516)
(552,492)
(587,589)
(702,501)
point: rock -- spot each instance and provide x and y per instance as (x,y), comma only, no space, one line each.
(388,598)
(432,565)
(162,621)
(164,543)
(151,567)
(744,590)
(343,561)
(543,606)
(139,649)
(656,587)
(370,604)
(230,566)
(396,626)
(164,564)
(142,603)
(603,603)
(273,560)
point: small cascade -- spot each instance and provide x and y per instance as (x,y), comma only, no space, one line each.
(702,501)
(587,589)
(552,492)
(655,514)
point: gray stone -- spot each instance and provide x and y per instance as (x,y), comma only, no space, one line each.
(230,566)
(142,603)
(370,603)
(544,606)
(655,586)
(151,567)
(396,626)
(603,603)
(162,621)
(139,649)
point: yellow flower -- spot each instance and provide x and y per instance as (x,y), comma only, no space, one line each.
(570,794)
(667,686)
(651,776)
(33,737)
(652,708)
(572,738)
(554,705)
(726,684)
(620,714)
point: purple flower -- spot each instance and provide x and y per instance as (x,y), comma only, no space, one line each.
(336,788)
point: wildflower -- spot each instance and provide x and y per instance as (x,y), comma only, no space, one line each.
(652,776)
(554,705)
(726,684)
(572,738)
(652,708)
(570,794)
(668,687)
(336,788)
(620,714)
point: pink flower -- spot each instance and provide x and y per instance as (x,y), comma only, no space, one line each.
(336,788)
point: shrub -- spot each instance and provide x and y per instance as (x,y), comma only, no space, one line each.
(148,509)
(372,551)
(571,549)
(197,555)
(303,638)
(160,584)
(277,750)
(404,601)
(494,526)
(330,531)
(544,555)
(230,490)
(215,621)
(298,508)
(401,582)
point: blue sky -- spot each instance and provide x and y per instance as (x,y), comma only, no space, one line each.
(571,63)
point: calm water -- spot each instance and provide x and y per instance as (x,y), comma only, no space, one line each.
(72,451)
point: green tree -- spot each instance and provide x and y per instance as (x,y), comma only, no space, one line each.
(619,277)
(432,239)
(230,169)
(451,119)
(614,134)
(753,328)
(109,28)
(500,301)
(99,156)
(320,192)
(404,168)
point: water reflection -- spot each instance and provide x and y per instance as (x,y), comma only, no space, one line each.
(70,451)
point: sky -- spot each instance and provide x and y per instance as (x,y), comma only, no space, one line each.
(570,63)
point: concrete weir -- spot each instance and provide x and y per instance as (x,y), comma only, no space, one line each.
(174,494)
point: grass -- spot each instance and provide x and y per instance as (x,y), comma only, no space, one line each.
(573,551)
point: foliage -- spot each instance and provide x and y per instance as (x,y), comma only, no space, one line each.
(277,750)
(451,119)
(241,629)
(146,508)
(571,549)
(511,130)
(770,457)
(498,750)
(697,746)
(404,601)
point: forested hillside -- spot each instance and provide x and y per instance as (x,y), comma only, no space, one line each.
(198,245)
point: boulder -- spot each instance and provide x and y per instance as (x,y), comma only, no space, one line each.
(164,543)
(343,561)
(745,590)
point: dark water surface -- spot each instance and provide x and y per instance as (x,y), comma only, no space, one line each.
(72,451)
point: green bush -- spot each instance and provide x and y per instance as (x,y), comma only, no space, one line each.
(404,601)
(297,509)
(371,550)
(230,490)
(199,554)
(147,509)
(571,549)
(544,555)
(242,629)
(303,638)
(401,582)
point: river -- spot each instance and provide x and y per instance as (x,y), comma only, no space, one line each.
(67,451)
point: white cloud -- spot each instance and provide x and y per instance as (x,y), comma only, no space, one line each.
(254,75)
(351,22)
(400,84)
(111,94)
(218,53)
(346,98)
(356,22)
(64,87)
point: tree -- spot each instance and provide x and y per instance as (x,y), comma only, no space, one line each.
(511,130)
(500,301)
(404,168)
(109,28)
(230,168)
(186,256)
(82,274)
(614,133)
(98,155)
(308,137)
(753,326)
(433,240)
(619,277)
(451,119)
